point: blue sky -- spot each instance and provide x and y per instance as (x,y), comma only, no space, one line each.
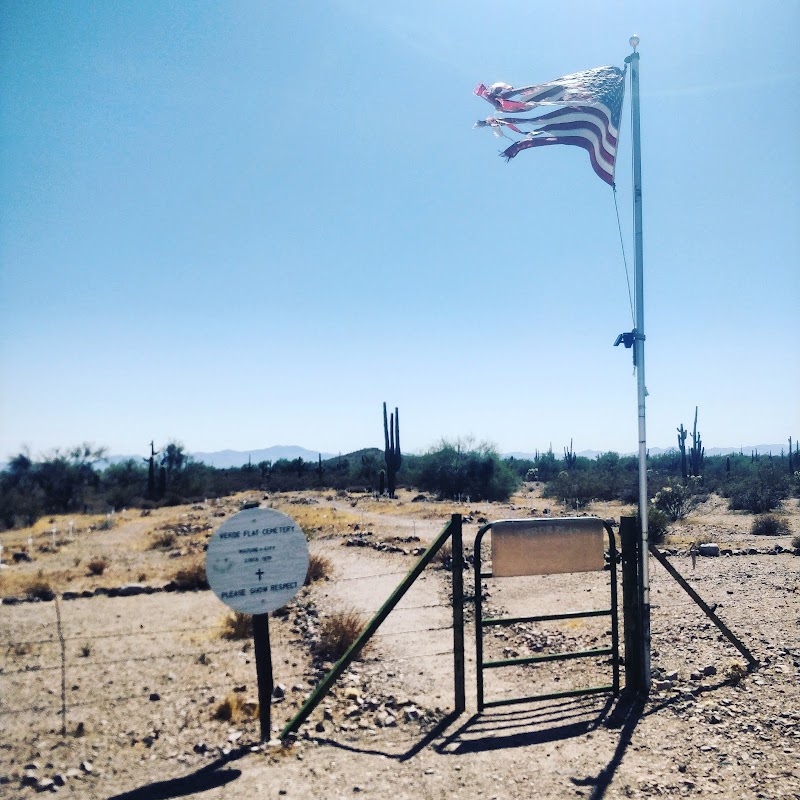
(243,224)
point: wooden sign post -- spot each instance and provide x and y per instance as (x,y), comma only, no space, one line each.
(255,563)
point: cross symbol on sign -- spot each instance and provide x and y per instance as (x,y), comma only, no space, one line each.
(260,574)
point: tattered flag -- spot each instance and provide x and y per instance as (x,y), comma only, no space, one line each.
(589,118)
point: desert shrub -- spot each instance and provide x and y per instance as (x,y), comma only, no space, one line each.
(39,589)
(758,490)
(657,525)
(236,708)
(164,541)
(675,499)
(97,566)
(462,469)
(337,633)
(769,525)
(108,522)
(237,626)
(574,489)
(796,542)
(754,497)
(629,490)
(319,567)
(191,577)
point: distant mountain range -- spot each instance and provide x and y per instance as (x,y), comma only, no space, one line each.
(763,449)
(222,459)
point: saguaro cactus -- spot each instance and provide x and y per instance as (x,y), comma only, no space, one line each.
(570,459)
(698,452)
(151,472)
(391,436)
(682,446)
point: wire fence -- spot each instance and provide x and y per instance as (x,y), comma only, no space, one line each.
(66,664)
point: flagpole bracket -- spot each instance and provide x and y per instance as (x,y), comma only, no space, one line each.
(628,338)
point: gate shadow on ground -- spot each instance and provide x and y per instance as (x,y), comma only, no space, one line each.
(433,734)
(500,730)
(203,779)
(550,723)
(626,715)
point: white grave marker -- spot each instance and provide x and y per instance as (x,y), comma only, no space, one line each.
(257,560)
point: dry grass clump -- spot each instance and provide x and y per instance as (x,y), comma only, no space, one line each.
(735,674)
(769,525)
(318,519)
(236,708)
(165,540)
(237,626)
(443,559)
(39,589)
(337,633)
(97,566)
(319,568)
(191,577)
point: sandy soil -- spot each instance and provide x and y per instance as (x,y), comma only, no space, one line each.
(137,681)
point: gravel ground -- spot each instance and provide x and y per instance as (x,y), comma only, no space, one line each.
(138,682)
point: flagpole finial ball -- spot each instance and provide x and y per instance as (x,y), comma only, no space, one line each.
(634,41)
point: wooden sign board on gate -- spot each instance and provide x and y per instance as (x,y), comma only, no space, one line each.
(547,546)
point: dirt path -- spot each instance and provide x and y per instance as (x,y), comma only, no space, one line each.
(143,678)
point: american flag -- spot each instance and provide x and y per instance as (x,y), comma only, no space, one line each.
(589,118)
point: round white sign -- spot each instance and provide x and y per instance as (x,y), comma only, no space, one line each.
(257,560)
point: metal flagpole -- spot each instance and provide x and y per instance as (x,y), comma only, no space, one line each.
(638,352)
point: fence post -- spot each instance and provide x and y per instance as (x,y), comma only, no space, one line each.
(263,658)
(458,614)
(632,605)
(63,649)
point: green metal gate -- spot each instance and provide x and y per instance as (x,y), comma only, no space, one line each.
(546,546)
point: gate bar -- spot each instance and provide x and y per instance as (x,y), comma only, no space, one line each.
(605,612)
(507,662)
(457,566)
(344,662)
(752,661)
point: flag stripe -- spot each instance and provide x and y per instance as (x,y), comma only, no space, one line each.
(589,118)
(590,132)
(606,173)
(573,117)
(599,111)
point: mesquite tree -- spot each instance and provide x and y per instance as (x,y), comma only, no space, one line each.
(391,436)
